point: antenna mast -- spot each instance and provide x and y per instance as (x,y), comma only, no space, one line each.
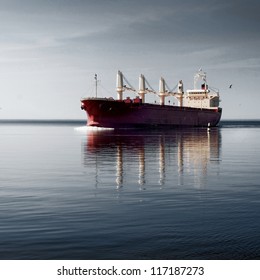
(96,84)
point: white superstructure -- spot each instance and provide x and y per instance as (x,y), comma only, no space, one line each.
(201,96)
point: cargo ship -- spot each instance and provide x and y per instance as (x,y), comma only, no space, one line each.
(198,107)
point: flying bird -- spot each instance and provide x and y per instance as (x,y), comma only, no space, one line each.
(230,86)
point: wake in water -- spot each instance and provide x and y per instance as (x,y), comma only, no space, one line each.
(92,128)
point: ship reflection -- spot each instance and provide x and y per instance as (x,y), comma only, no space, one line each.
(153,157)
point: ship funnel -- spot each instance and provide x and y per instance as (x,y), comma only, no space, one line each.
(142,89)
(120,87)
(162,92)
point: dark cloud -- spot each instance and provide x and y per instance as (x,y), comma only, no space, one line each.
(148,21)
(166,27)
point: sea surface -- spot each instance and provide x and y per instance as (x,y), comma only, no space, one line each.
(69,192)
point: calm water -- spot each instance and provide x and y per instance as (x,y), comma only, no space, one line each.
(71,193)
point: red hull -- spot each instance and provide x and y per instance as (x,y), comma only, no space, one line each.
(104,112)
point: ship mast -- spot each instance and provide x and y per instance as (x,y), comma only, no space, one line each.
(96,84)
(142,90)
(120,87)
(200,75)
(162,93)
(180,93)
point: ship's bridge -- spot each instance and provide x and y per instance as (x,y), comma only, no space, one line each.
(200,96)
(197,92)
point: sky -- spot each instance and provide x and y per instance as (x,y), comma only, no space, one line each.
(50,51)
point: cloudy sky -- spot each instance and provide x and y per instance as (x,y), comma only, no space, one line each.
(50,51)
